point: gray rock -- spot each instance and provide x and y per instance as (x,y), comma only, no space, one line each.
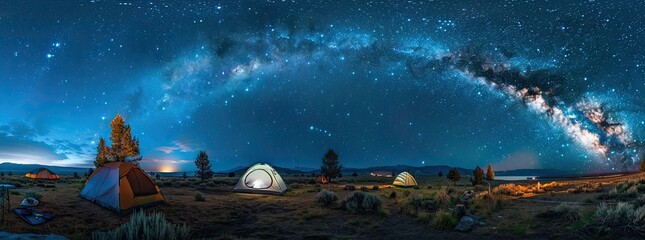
(465,224)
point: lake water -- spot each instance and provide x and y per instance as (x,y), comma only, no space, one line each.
(513,178)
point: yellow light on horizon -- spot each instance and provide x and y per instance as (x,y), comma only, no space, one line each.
(167,169)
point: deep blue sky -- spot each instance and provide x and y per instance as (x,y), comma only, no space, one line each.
(555,84)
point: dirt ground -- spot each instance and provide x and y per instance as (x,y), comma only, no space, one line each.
(228,215)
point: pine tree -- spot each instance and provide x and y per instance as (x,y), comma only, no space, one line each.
(478,174)
(76,175)
(454,175)
(440,174)
(184,175)
(490,174)
(643,165)
(102,154)
(203,166)
(331,167)
(124,146)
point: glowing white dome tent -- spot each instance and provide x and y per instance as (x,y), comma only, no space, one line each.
(405,179)
(261,178)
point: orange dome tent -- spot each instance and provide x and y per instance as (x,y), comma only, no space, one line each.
(321,179)
(42,173)
(121,186)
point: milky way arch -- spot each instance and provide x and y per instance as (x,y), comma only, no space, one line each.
(228,62)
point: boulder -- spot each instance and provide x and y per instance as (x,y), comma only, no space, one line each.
(465,224)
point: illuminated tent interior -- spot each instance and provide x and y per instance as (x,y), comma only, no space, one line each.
(261,178)
(42,173)
(405,179)
(121,186)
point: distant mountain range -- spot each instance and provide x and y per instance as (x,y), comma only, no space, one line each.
(21,169)
(423,170)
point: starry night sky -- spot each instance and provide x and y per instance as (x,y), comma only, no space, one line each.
(555,84)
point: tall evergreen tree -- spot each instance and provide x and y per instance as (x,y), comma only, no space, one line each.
(490,174)
(203,166)
(103,152)
(454,175)
(124,146)
(331,167)
(478,174)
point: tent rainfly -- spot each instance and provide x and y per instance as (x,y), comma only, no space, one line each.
(321,179)
(261,178)
(405,179)
(121,186)
(42,174)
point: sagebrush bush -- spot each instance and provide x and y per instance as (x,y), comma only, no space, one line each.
(442,198)
(640,201)
(487,203)
(418,205)
(199,197)
(146,227)
(510,189)
(350,187)
(569,213)
(361,202)
(419,202)
(326,197)
(33,194)
(443,220)
(375,187)
(620,215)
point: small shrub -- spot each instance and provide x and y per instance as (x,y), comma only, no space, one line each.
(184,183)
(487,203)
(14,192)
(167,184)
(350,187)
(640,201)
(326,197)
(364,188)
(510,189)
(442,198)
(199,197)
(375,187)
(295,186)
(361,202)
(568,213)
(620,215)
(419,203)
(443,220)
(146,227)
(33,194)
